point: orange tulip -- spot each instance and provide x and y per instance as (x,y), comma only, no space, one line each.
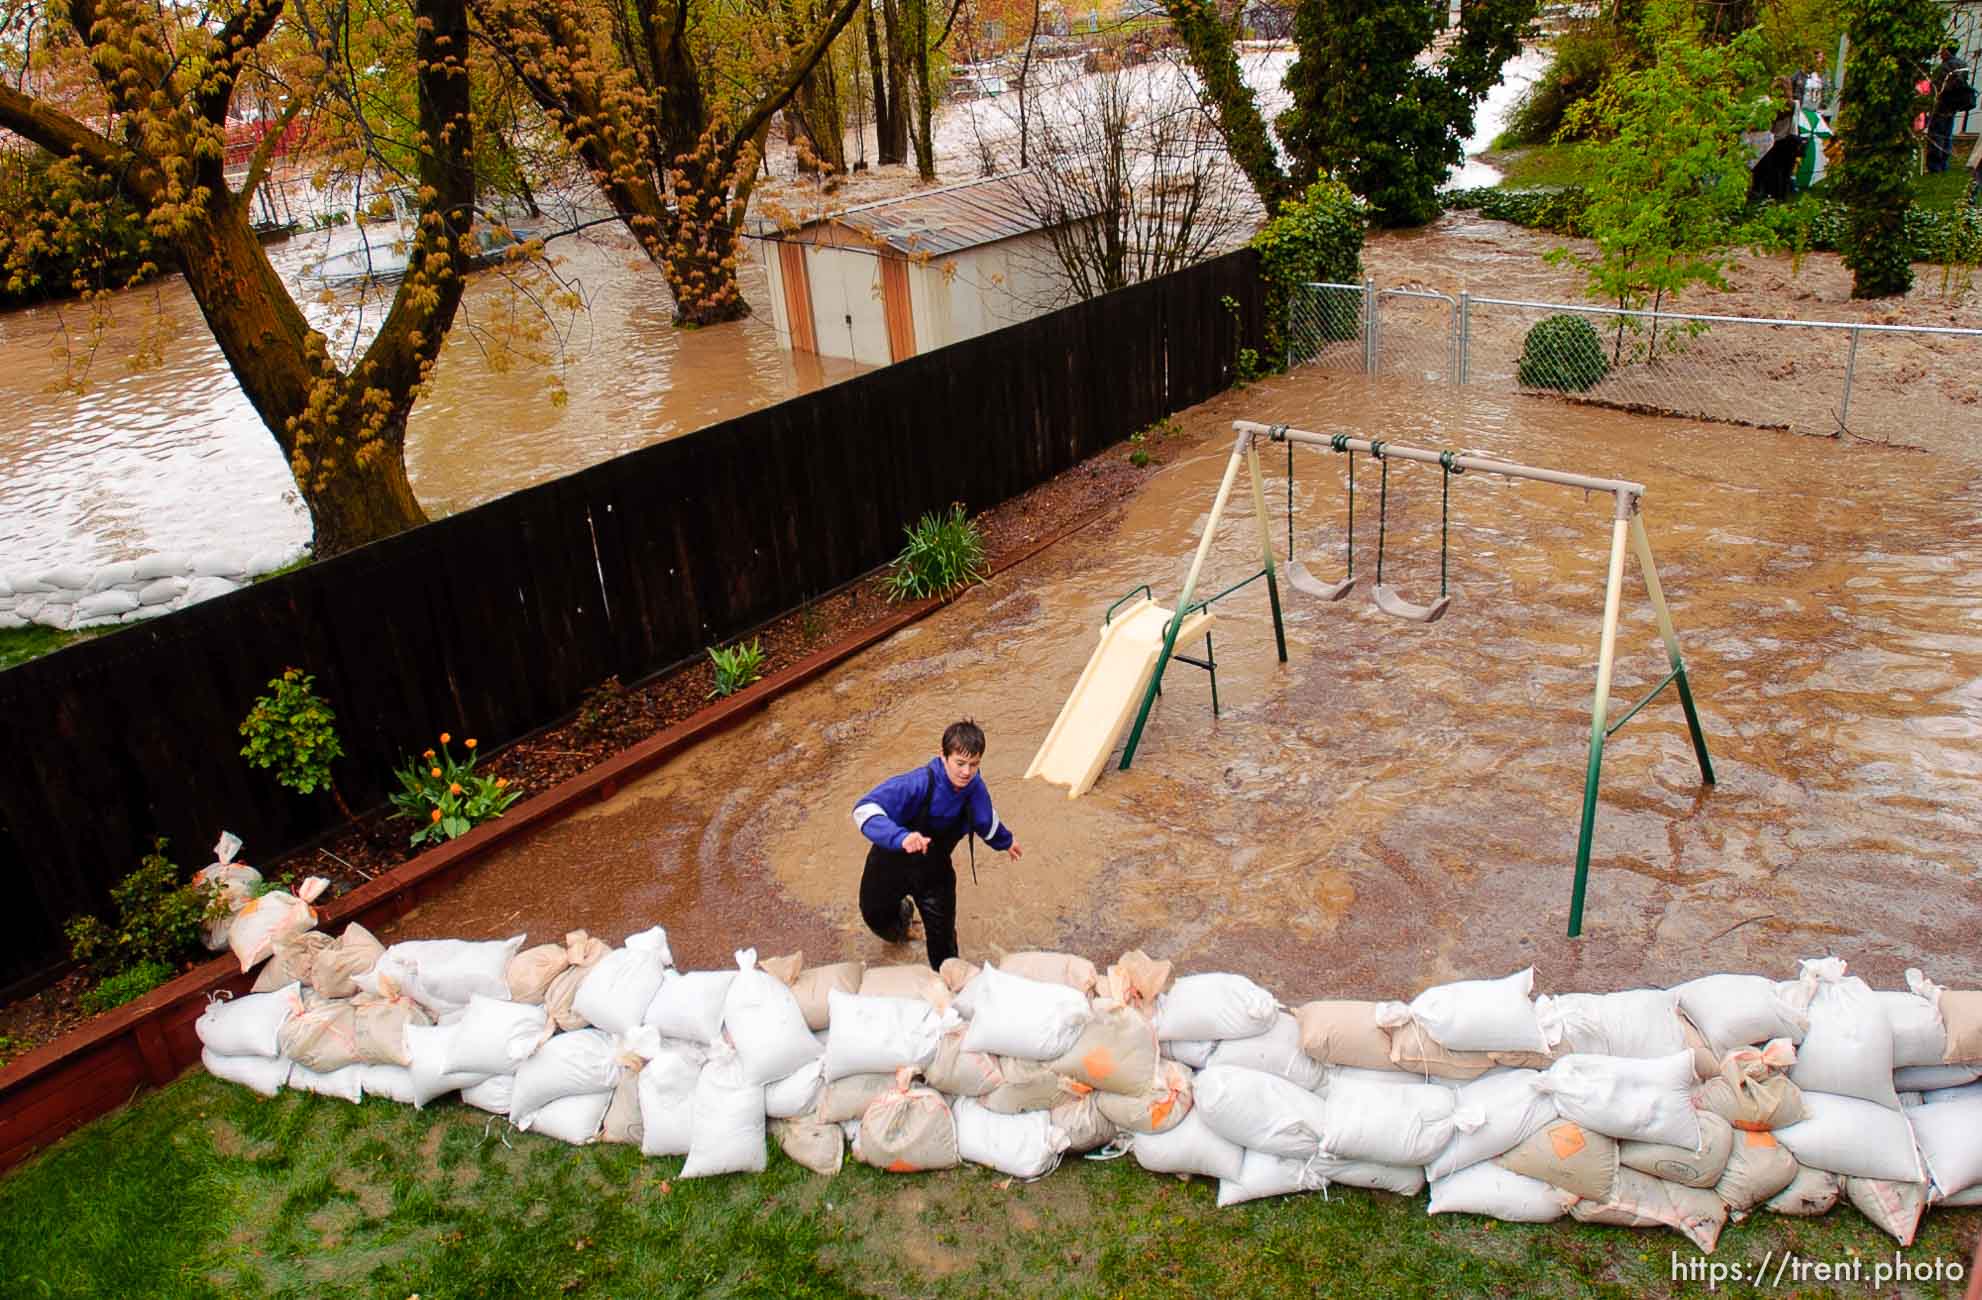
(433,771)
(502,783)
(443,737)
(455,788)
(436,814)
(428,754)
(470,742)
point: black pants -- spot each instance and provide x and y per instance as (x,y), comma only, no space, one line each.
(926,877)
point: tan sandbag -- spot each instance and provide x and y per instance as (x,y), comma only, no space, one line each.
(291,961)
(957,1073)
(1027,1085)
(1524,1060)
(1567,1155)
(906,981)
(1080,1118)
(785,969)
(908,1131)
(819,1147)
(815,983)
(1705,1063)
(1642,1201)
(336,969)
(1051,968)
(1690,1168)
(1116,1051)
(1896,1207)
(1137,980)
(1751,1091)
(530,972)
(1158,1109)
(323,1038)
(1757,1168)
(1961,1012)
(581,953)
(849,1098)
(1412,1049)
(623,1123)
(380,1024)
(1810,1193)
(1344,1033)
(957,972)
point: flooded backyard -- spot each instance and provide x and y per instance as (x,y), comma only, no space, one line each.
(1397,804)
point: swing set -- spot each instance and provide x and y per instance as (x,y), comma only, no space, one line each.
(1627,527)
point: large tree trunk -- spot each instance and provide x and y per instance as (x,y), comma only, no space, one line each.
(884,107)
(894,145)
(925,149)
(817,108)
(1208,43)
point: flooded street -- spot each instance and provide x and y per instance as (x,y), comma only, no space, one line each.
(1397,804)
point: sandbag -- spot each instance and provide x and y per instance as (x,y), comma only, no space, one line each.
(848,1098)
(957,972)
(338,965)
(908,1130)
(232,884)
(1344,1033)
(1810,1193)
(1641,1201)
(689,1004)
(1638,1023)
(1474,1015)
(783,969)
(1024,1146)
(262,921)
(819,1147)
(1194,1052)
(1024,1085)
(1854,1137)
(1016,1016)
(1080,1118)
(797,1093)
(1277,1051)
(265,1074)
(321,1038)
(1136,981)
(1116,1050)
(1262,1175)
(250,1025)
(1190,1147)
(1938,1096)
(765,1024)
(957,1073)
(495,1037)
(1161,1108)
(1646,1100)
(879,1034)
(529,973)
(442,975)
(1758,1167)
(1934,1078)
(1214,1006)
(615,993)
(729,1121)
(1896,1207)
(1950,1138)
(584,1061)
(426,1064)
(1919,1037)
(815,982)
(667,1100)
(346,1084)
(1565,1154)
(1848,1050)
(491,1094)
(1512,1109)
(575,1119)
(1706,1062)
(623,1124)
(1261,1112)
(1416,1052)
(1752,1092)
(291,960)
(1699,1166)
(1401,1180)
(1390,1124)
(393,1082)
(1498,1193)
(1076,973)
(906,981)
(1961,1017)
(379,1023)
(1737,1010)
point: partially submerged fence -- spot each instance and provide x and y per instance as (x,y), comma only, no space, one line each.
(1903,383)
(494,622)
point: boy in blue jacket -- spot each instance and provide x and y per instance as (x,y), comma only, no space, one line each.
(914,822)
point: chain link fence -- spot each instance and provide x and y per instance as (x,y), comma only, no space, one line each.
(1909,384)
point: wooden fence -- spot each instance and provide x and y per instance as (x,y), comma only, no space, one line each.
(494,622)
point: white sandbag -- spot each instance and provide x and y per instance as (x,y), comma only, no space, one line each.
(907,1130)
(261,921)
(581,1062)
(1812,1192)
(1848,1050)
(1919,1037)
(1161,1108)
(797,1093)
(394,1082)
(1116,1051)
(495,1036)
(1403,1180)
(250,1025)
(1015,1016)
(1641,1201)
(1950,1138)
(576,1119)
(667,1101)
(765,1024)
(347,1084)
(443,974)
(689,1004)
(233,884)
(1737,1010)
(1215,1006)
(1963,1200)
(1397,1078)
(426,1052)
(1513,1109)
(1262,1175)
(1853,1137)
(1758,1168)
(1934,1078)
(491,1094)
(1194,1052)
(1940,1096)
(1699,1166)
(729,1121)
(1260,1111)
(1190,1147)
(1024,1146)
(1637,1023)
(1390,1124)
(1646,1100)
(1896,1207)
(1498,1193)
(265,1074)
(1277,1051)
(615,993)
(1474,1015)
(873,1035)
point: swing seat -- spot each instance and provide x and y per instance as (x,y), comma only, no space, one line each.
(1302,581)
(1396,606)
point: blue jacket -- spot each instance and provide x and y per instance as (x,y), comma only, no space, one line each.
(885,812)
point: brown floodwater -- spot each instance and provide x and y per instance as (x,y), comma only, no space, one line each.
(1398,803)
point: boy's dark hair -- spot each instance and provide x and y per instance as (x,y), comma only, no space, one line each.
(965,738)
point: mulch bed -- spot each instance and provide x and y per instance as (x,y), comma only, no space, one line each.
(614,717)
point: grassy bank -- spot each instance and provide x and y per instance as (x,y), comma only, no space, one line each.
(1549,166)
(204,1189)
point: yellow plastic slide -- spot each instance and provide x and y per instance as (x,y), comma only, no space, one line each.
(1107,694)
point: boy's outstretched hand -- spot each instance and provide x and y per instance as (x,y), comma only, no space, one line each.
(1014,850)
(914,842)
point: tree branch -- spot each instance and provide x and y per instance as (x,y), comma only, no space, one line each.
(789,81)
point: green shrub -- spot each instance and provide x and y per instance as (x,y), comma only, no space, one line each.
(126,987)
(294,731)
(1580,59)
(1315,239)
(736,667)
(1562,352)
(445,796)
(1558,210)
(65,229)
(944,552)
(158,920)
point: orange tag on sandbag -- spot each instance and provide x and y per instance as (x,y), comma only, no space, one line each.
(1567,1139)
(1160,1111)
(1076,1087)
(1099,1063)
(1760,1138)
(902,1167)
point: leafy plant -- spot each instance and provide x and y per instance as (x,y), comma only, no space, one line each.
(158,920)
(125,987)
(294,731)
(1875,179)
(736,667)
(1315,239)
(1562,352)
(601,707)
(944,552)
(445,796)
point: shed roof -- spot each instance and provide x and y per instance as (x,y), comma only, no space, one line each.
(953,218)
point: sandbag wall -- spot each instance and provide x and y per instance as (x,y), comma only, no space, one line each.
(1680,1107)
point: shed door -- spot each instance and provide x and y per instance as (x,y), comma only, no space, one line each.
(894,303)
(798,297)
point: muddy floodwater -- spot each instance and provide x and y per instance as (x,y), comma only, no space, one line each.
(1397,804)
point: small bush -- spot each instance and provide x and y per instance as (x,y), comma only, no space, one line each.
(1562,352)
(1316,239)
(126,987)
(158,921)
(736,667)
(445,796)
(294,731)
(944,552)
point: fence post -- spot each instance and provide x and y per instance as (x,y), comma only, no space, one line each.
(1850,365)
(1369,327)
(1460,370)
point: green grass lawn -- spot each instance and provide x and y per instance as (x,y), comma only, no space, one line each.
(20,644)
(203,1189)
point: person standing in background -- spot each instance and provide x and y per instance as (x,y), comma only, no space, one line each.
(1953,96)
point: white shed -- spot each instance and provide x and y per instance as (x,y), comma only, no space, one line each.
(885,281)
